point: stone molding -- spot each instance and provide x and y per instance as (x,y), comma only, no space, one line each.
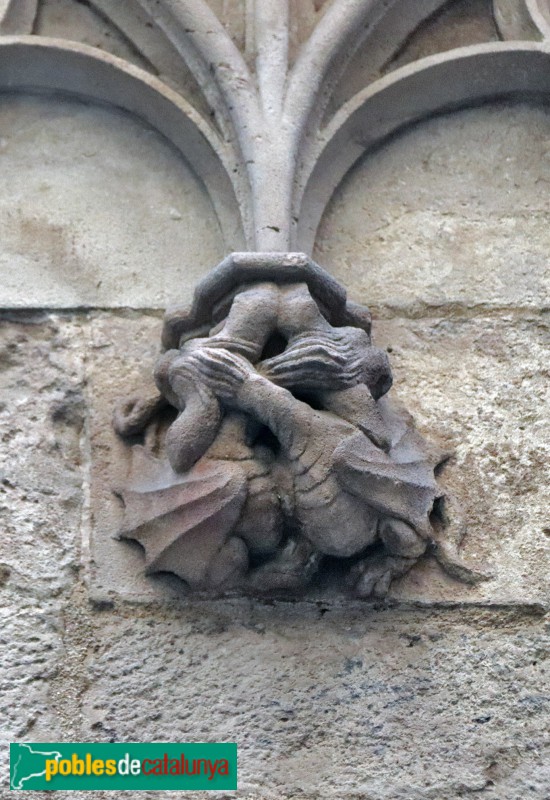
(272,150)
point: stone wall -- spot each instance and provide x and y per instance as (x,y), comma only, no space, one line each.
(439,692)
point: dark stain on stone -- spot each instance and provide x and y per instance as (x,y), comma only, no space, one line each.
(5,573)
(69,409)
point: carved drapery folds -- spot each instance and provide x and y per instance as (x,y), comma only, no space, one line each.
(270,457)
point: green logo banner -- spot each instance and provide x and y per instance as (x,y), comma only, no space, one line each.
(133,766)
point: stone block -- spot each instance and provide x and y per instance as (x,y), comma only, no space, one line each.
(450,213)
(479,388)
(100,210)
(42,421)
(384,705)
(124,349)
(475,386)
(32,651)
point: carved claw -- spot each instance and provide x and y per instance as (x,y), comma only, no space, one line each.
(134,414)
(448,557)
(448,537)
(335,359)
(184,377)
(229,565)
(373,577)
(291,570)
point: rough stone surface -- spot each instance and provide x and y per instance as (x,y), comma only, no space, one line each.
(377,704)
(101,210)
(451,213)
(32,650)
(477,387)
(373,705)
(42,418)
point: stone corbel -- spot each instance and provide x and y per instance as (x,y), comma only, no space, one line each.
(271,460)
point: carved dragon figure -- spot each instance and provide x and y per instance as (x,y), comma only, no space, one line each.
(284,450)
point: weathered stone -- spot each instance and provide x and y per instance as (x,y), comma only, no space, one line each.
(451,213)
(494,425)
(82,181)
(45,646)
(324,700)
(123,350)
(248,469)
(126,32)
(32,649)
(42,418)
(378,705)
(480,388)
(64,19)
(433,26)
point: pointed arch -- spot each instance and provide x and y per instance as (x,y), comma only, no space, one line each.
(41,65)
(457,79)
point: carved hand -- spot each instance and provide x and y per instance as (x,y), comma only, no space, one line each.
(222,372)
(321,359)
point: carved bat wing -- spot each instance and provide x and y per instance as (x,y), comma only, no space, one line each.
(404,490)
(182,521)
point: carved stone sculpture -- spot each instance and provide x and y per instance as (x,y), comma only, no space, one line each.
(271,449)
(282,454)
